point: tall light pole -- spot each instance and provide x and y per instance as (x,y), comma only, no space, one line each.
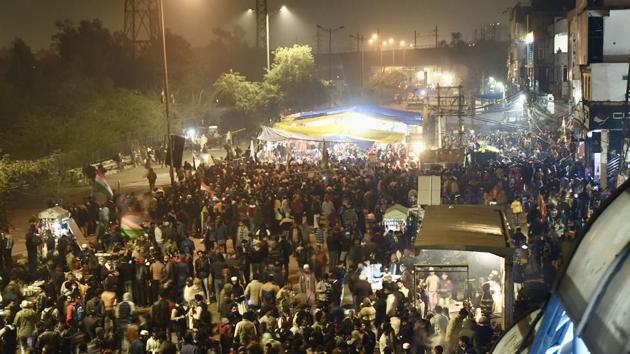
(167,95)
(262,20)
(267,38)
(359,38)
(391,41)
(330,32)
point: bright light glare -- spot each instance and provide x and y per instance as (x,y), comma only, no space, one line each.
(371,41)
(384,43)
(191,133)
(391,41)
(448,79)
(402,43)
(418,147)
(529,38)
(374,36)
(283,8)
(423,92)
(491,79)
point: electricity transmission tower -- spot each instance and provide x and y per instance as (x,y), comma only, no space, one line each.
(261,23)
(142,24)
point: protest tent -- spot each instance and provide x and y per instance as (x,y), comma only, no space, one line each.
(346,124)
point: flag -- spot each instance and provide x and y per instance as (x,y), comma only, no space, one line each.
(101,183)
(131,224)
(205,187)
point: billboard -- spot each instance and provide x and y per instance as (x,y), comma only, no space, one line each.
(610,117)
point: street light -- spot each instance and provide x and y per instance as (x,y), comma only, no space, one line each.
(167,95)
(283,9)
(330,32)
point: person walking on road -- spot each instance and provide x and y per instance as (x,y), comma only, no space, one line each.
(151,177)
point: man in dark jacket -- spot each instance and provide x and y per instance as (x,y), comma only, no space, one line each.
(361,289)
(160,313)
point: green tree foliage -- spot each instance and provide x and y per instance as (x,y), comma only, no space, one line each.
(289,86)
(390,78)
(92,90)
(385,84)
(293,72)
(20,176)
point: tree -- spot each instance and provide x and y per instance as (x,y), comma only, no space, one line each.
(290,85)
(386,83)
(87,47)
(293,72)
(457,40)
(21,176)
(22,65)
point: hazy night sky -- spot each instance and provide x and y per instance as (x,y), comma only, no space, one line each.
(33,20)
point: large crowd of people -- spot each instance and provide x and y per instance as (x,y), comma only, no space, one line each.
(243,256)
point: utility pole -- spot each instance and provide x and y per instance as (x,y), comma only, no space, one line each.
(435,33)
(439,122)
(359,38)
(318,38)
(330,32)
(415,39)
(460,116)
(167,96)
(473,111)
(626,122)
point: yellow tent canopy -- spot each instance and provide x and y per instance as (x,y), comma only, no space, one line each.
(351,125)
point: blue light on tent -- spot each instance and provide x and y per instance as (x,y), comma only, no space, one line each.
(556,333)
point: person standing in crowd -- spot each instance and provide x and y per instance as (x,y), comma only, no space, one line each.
(24,322)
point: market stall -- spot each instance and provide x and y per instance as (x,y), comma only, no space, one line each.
(395,218)
(56,220)
(466,235)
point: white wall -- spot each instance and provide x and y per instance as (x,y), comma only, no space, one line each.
(617,33)
(607,83)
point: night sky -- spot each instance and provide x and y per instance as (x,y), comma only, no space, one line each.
(33,20)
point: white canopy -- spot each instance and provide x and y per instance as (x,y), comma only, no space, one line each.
(54,213)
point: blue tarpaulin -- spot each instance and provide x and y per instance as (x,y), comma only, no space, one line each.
(407,117)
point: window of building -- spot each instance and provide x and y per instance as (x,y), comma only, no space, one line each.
(586,86)
(565,74)
(561,43)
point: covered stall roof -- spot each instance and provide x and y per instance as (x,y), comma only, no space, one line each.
(396,211)
(54,213)
(407,117)
(464,227)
